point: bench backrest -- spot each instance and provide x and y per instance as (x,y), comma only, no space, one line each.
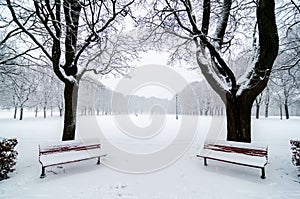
(64,146)
(233,147)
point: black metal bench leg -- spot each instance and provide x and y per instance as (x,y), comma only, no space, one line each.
(98,162)
(205,162)
(263,174)
(43,173)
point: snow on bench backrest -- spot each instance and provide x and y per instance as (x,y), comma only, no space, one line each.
(73,145)
(236,147)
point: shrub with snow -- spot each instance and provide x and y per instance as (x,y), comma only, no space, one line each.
(295,147)
(7,156)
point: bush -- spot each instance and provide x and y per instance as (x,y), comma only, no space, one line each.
(295,147)
(7,156)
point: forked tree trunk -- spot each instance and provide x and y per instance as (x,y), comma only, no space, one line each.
(70,97)
(238,111)
(238,107)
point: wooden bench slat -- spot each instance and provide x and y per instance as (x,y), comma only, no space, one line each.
(218,147)
(58,149)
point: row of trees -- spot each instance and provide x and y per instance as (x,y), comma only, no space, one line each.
(42,95)
(31,89)
(77,36)
(97,100)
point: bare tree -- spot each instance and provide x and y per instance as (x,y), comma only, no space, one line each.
(286,84)
(288,13)
(67,32)
(191,22)
(286,73)
(267,101)
(258,102)
(23,87)
(47,92)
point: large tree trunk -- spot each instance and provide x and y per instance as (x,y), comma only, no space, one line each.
(238,112)
(70,97)
(241,95)
(286,108)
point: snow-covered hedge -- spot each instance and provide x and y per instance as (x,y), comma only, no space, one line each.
(295,152)
(7,156)
(295,147)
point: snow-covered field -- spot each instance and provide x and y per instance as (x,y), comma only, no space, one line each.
(184,178)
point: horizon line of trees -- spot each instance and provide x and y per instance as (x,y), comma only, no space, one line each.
(41,98)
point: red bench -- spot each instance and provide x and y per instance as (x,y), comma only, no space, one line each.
(244,154)
(52,154)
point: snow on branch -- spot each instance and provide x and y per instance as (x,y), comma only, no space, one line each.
(69,78)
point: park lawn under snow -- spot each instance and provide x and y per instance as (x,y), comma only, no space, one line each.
(185,178)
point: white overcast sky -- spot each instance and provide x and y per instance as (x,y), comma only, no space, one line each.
(153,57)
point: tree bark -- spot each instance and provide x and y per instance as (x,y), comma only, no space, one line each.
(21,113)
(60,112)
(15,113)
(257,111)
(267,110)
(280,111)
(70,97)
(267,101)
(286,108)
(238,112)
(45,112)
(36,111)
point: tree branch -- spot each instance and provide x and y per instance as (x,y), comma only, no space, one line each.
(11,9)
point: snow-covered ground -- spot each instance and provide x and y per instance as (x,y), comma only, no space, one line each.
(184,178)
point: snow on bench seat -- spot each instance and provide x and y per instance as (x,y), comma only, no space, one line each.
(244,154)
(51,154)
